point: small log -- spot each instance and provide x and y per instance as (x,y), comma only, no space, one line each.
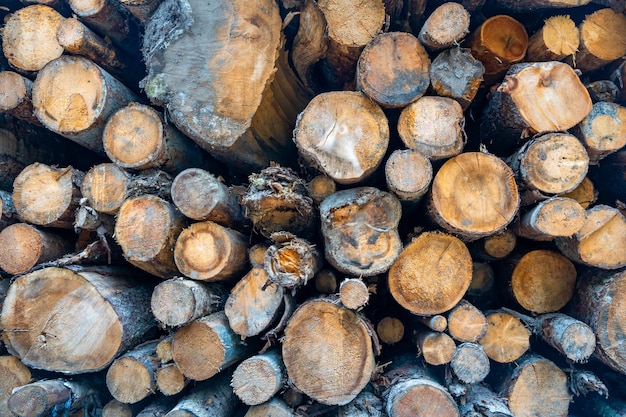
(346,42)
(557,39)
(602,40)
(327,351)
(408,174)
(494,247)
(209,252)
(466,323)
(73,97)
(29,37)
(320,187)
(16,96)
(366,404)
(529,101)
(359,226)
(555,217)
(390,330)
(178,301)
(343,134)
(25,246)
(13,374)
(436,348)
(137,137)
(393,69)
(256,254)
(353,293)
(105,305)
(477,180)
(437,323)
(132,377)
(169,380)
(603,131)
(445,27)
(115,408)
(498,43)
(469,363)
(597,303)
(213,398)
(506,339)
(455,73)
(272,408)
(536,387)
(480,401)
(433,126)
(277,201)
(599,241)
(106,186)
(52,396)
(47,196)
(416,393)
(293,263)
(163,349)
(431,274)
(141,9)
(201,196)
(206,346)
(253,303)
(258,378)
(326,282)
(146,229)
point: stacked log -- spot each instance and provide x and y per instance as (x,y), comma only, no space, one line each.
(266,208)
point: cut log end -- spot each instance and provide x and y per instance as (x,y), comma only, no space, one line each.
(408,174)
(353,293)
(446,26)
(506,339)
(106,186)
(129,381)
(390,330)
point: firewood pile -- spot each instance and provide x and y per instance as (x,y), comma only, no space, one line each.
(217,208)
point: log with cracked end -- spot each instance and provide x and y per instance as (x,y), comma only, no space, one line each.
(558,38)
(506,339)
(291,264)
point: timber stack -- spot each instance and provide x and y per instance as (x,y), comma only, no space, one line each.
(383,208)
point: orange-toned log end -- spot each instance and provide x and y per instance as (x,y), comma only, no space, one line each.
(506,339)
(552,218)
(328,352)
(466,323)
(393,69)
(431,274)
(436,348)
(474,195)
(353,293)
(557,39)
(169,380)
(130,381)
(603,131)
(602,38)
(390,330)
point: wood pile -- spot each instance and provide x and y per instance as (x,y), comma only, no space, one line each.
(308,208)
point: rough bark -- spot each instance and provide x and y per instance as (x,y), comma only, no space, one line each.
(455,73)
(366,404)
(310,43)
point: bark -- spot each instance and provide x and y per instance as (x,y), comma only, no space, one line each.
(455,73)
(618,76)
(470,363)
(273,408)
(310,43)
(603,131)
(52,396)
(16,96)
(13,374)
(529,5)
(343,134)
(555,217)
(480,401)
(437,323)
(169,380)
(8,214)
(390,330)
(25,246)
(558,38)
(179,301)
(408,174)
(257,379)
(147,228)
(327,351)
(141,9)
(99,309)
(436,348)
(393,69)
(359,226)
(47,196)
(209,252)
(445,27)
(213,398)
(431,275)
(466,323)
(158,408)
(507,339)
(132,377)
(477,180)
(366,404)
(74,97)
(433,126)
(353,293)
(292,263)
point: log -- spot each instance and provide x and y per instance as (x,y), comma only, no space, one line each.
(393,69)
(29,37)
(257,379)
(555,217)
(353,293)
(477,180)
(326,282)
(213,398)
(169,380)
(603,130)
(507,339)
(366,404)
(445,27)
(599,296)
(291,264)
(470,363)
(494,247)
(528,101)
(141,9)
(480,401)
(431,274)
(536,387)
(343,134)
(557,39)
(455,73)
(433,126)
(179,301)
(115,408)
(327,351)
(437,323)
(13,374)
(209,252)
(273,408)
(206,346)
(466,323)
(25,246)
(390,330)
(16,96)
(132,377)
(46,195)
(599,241)
(498,42)
(105,306)
(359,226)
(435,347)
(52,396)
(408,174)
(201,196)
(253,303)
(146,229)
(320,187)
(585,193)
(256,254)
(107,186)
(602,90)
(73,97)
